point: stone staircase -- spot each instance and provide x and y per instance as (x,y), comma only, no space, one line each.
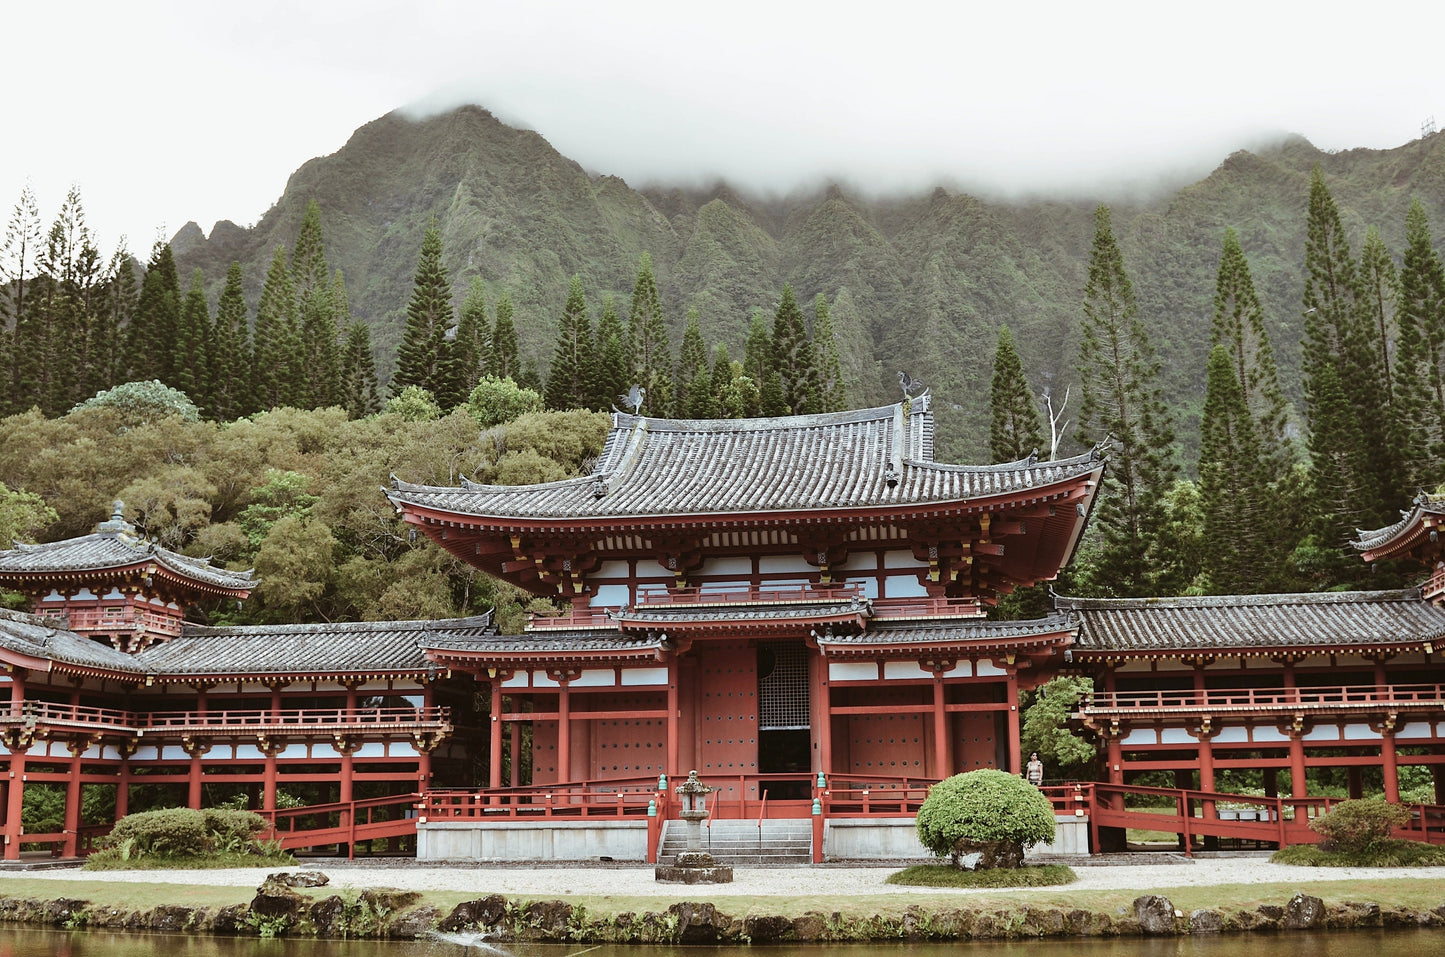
(785,843)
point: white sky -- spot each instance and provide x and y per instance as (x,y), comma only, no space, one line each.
(164,112)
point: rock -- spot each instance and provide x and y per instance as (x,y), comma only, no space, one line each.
(327,916)
(1256,920)
(476,915)
(766,930)
(385,901)
(699,923)
(299,878)
(546,920)
(674,874)
(1040,922)
(1303,912)
(810,927)
(1352,914)
(1155,915)
(64,910)
(277,900)
(229,919)
(1087,923)
(1399,917)
(988,927)
(172,918)
(1205,921)
(413,924)
(1272,911)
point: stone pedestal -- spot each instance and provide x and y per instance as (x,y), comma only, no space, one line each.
(694,867)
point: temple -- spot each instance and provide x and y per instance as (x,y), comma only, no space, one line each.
(794,607)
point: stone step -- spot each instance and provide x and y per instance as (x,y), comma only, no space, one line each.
(739,842)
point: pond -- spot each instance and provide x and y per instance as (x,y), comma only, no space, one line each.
(24,942)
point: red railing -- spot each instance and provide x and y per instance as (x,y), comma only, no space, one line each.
(735,594)
(926,607)
(487,804)
(35,713)
(1434,586)
(187,722)
(344,822)
(129,619)
(578,616)
(1354,697)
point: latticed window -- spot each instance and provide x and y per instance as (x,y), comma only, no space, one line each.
(782,686)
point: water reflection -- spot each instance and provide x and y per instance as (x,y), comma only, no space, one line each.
(23,942)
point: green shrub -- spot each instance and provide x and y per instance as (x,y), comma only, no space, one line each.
(1354,826)
(939,875)
(1390,853)
(168,832)
(232,829)
(990,813)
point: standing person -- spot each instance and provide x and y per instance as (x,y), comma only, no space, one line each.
(1034,770)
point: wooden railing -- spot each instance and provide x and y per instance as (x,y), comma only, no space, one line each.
(129,619)
(926,607)
(45,713)
(1434,586)
(344,822)
(743,593)
(1353,697)
(488,804)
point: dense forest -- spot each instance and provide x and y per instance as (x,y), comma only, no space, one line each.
(242,416)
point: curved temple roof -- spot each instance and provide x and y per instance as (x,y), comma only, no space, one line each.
(1402,539)
(865,459)
(114,545)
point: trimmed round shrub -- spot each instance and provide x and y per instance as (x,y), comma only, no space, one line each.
(169,832)
(990,813)
(1356,826)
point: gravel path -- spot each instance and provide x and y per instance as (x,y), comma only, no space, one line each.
(554,882)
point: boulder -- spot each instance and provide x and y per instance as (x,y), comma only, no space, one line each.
(171,918)
(476,915)
(1155,915)
(1204,921)
(299,878)
(327,916)
(1303,912)
(810,927)
(64,910)
(767,930)
(274,899)
(699,923)
(414,923)
(546,920)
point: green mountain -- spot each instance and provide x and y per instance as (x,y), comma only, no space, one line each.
(919,283)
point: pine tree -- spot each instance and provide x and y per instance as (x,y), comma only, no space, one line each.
(1233,490)
(17,269)
(833,391)
(275,346)
(118,304)
(315,314)
(793,358)
(1239,326)
(1016,432)
(157,318)
(230,354)
(67,282)
(694,376)
(1338,338)
(1420,369)
(758,350)
(611,371)
(651,350)
(503,358)
(474,337)
(422,359)
(570,384)
(358,370)
(1121,400)
(192,372)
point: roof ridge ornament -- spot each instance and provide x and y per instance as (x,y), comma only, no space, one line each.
(117,526)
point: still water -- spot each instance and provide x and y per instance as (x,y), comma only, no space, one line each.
(45,943)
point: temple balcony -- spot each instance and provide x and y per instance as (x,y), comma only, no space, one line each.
(1243,702)
(1433,588)
(48,717)
(116,620)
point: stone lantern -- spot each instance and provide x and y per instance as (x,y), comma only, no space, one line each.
(694,865)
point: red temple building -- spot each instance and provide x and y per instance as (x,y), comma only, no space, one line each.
(794,607)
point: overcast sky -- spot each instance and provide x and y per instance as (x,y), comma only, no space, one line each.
(164,112)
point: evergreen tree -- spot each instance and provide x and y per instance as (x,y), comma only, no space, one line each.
(503,360)
(651,349)
(1420,369)
(358,373)
(1121,400)
(1234,495)
(422,359)
(1239,326)
(67,287)
(315,314)
(694,376)
(156,320)
(611,371)
(473,336)
(230,353)
(119,306)
(1338,338)
(833,391)
(793,358)
(192,372)
(17,269)
(275,347)
(1016,432)
(570,385)
(758,350)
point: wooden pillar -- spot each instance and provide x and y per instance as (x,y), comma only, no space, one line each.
(940,729)
(674,718)
(514,767)
(345,789)
(1298,787)
(494,776)
(271,748)
(1206,761)
(193,791)
(425,747)
(1015,745)
(1114,754)
(1437,774)
(1354,782)
(564,731)
(1390,763)
(15,792)
(71,846)
(824,691)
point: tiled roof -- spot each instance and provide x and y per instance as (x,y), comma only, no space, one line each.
(1423,505)
(504,647)
(1236,622)
(115,549)
(973,630)
(664,615)
(328,649)
(37,637)
(844,460)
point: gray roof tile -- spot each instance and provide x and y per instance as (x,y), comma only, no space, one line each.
(974,630)
(102,550)
(37,637)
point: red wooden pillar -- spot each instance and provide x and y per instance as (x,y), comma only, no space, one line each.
(514,770)
(271,747)
(347,749)
(193,796)
(1390,763)
(122,786)
(15,795)
(823,689)
(940,729)
(1114,754)
(494,771)
(71,845)
(1297,784)
(1206,761)
(424,747)
(1015,745)
(564,731)
(674,718)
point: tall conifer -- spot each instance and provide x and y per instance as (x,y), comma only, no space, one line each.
(651,348)
(156,321)
(833,390)
(1016,431)
(422,359)
(694,376)
(17,269)
(611,374)
(230,353)
(1121,400)
(192,374)
(1420,369)
(503,360)
(474,336)
(1233,490)
(275,347)
(569,385)
(315,313)
(358,373)
(793,357)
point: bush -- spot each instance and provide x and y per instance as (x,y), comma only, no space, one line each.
(1355,826)
(495,401)
(939,875)
(232,829)
(184,832)
(990,813)
(142,402)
